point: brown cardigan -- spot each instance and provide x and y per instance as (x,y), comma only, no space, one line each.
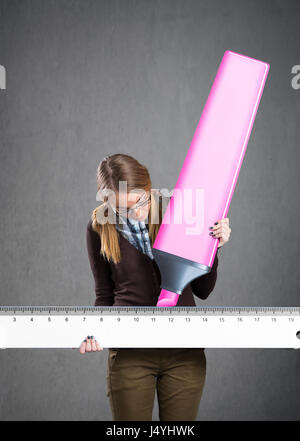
(135,281)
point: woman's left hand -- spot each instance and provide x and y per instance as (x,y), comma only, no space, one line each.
(221,230)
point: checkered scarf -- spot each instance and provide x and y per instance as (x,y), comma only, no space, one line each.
(136,232)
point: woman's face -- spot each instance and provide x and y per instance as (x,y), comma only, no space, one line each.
(133,205)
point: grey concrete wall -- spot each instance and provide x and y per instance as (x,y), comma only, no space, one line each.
(90,78)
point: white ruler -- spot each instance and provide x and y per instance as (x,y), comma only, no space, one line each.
(149,327)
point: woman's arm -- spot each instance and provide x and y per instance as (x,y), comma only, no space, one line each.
(104,284)
(203,286)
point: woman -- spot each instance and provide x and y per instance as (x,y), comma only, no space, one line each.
(126,274)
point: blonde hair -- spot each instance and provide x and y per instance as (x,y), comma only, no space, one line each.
(115,168)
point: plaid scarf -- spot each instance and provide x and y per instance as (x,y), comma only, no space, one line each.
(136,232)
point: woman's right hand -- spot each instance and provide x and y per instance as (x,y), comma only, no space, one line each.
(89,344)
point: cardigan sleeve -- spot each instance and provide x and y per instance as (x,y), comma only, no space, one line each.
(202,286)
(104,284)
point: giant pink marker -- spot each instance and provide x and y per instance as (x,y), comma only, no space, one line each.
(184,250)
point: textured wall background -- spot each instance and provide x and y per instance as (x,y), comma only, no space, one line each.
(90,78)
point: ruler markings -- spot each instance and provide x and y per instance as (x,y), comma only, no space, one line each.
(142,310)
(150,326)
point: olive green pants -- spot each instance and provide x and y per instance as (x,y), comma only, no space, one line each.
(133,375)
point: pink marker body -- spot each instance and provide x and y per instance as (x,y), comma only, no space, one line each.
(212,166)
